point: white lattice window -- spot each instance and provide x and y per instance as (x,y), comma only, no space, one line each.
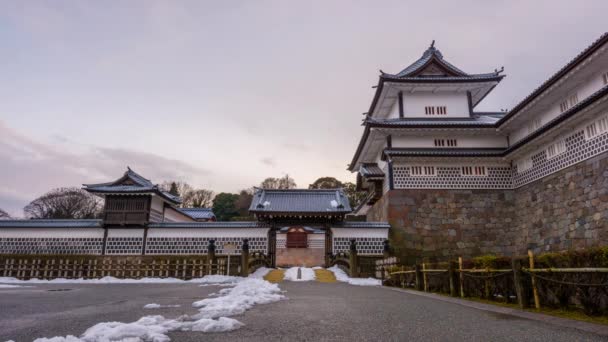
(524,164)
(534,125)
(556,148)
(591,131)
(596,128)
(474,171)
(446,142)
(432,110)
(423,171)
(568,103)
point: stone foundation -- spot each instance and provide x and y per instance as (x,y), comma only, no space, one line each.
(568,209)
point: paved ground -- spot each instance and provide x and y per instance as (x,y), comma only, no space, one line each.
(314,312)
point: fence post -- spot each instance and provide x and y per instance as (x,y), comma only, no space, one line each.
(461,278)
(245,258)
(211,255)
(452,276)
(518,280)
(386,249)
(419,284)
(534,289)
(354,262)
(424,278)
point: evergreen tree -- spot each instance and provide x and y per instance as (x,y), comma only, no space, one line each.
(224,206)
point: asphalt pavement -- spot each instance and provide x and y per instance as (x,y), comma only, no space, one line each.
(314,312)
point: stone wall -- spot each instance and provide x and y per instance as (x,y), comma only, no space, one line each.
(568,209)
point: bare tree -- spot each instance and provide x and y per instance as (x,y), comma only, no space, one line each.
(176,188)
(285,182)
(199,198)
(4,215)
(64,203)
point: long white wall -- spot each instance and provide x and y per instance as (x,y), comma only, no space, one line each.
(463,141)
(457,105)
(544,115)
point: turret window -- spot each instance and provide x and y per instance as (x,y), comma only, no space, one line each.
(435,110)
(568,103)
(446,142)
(556,149)
(474,171)
(596,128)
(423,171)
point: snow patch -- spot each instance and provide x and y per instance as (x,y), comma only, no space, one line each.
(158,306)
(236,300)
(343,277)
(5,286)
(334,203)
(208,279)
(211,317)
(308,274)
(260,273)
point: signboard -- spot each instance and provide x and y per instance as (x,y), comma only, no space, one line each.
(229,248)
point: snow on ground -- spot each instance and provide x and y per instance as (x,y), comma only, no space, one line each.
(5,286)
(308,274)
(211,317)
(158,306)
(260,273)
(208,279)
(342,276)
(236,300)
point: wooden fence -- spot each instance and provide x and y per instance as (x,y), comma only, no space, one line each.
(519,283)
(92,267)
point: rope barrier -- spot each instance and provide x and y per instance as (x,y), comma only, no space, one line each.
(564,282)
(488,276)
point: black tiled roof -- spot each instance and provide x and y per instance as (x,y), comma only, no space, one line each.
(198,213)
(141,185)
(227,224)
(50,223)
(446,152)
(329,201)
(432,54)
(475,120)
(358,224)
(371,170)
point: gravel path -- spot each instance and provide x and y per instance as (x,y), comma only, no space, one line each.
(314,312)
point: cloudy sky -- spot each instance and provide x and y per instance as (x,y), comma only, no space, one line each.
(224,94)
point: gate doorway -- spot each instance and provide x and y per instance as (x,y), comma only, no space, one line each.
(300,246)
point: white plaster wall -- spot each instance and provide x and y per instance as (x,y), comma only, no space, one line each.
(171,215)
(316,240)
(157,203)
(125,233)
(51,233)
(467,141)
(208,232)
(583,91)
(457,104)
(360,232)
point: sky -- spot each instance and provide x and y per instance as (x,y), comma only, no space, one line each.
(222,94)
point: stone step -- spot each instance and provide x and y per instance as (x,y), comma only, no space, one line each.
(325,276)
(275,276)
